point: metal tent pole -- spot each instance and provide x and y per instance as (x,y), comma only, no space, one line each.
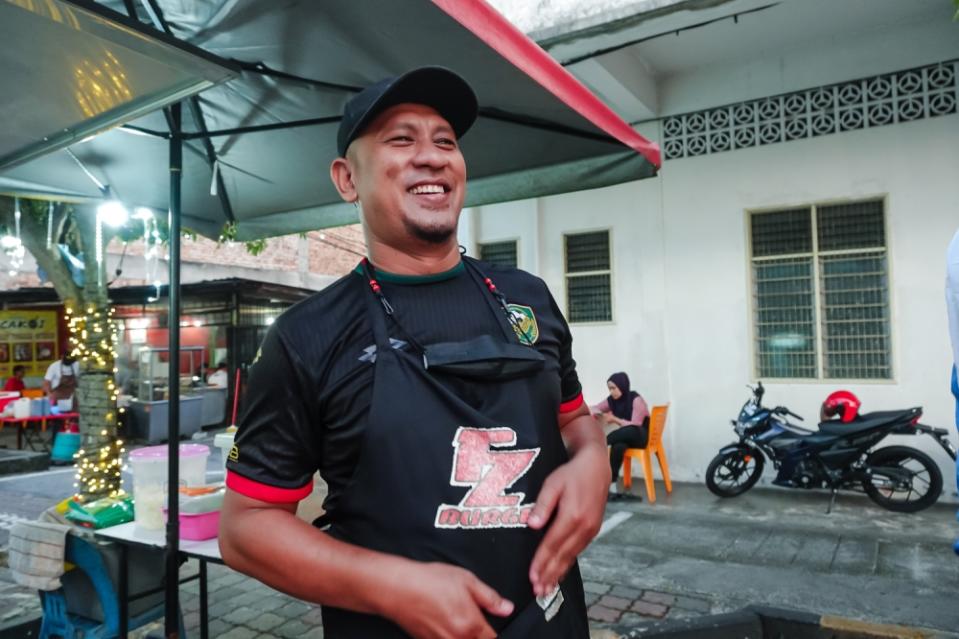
(171,625)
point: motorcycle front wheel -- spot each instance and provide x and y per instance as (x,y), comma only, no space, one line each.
(733,473)
(902,479)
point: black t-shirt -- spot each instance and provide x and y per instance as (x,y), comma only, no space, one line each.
(309,392)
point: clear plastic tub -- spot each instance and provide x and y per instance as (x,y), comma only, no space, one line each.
(224,441)
(149,466)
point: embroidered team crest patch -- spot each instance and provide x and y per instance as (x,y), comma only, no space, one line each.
(525,326)
(488,473)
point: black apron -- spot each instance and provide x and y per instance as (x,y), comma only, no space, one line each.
(450,467)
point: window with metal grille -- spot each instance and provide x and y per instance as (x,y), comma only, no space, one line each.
(821,292)
(588,296)
(499,253)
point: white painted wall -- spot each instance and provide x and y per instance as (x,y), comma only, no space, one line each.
(682,319)
(770,70)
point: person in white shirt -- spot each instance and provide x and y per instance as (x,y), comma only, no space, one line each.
(952,308)
(60,380)
(218,378)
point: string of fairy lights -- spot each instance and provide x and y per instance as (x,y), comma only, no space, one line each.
(93,342)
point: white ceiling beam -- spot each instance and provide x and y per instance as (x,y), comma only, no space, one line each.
(624,81)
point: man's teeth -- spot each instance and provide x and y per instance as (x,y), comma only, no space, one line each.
(427,188)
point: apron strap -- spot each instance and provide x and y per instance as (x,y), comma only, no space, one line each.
(376,303)
(496,301)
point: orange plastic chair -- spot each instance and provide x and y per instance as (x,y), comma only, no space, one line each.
(657,423)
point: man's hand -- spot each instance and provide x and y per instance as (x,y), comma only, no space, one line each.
(440,601)
(574,497)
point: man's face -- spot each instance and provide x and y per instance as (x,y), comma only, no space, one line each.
(409,176)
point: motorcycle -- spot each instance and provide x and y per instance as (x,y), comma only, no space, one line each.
(840,455)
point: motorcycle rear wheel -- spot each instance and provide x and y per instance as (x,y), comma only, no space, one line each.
(733,473)
(912,480)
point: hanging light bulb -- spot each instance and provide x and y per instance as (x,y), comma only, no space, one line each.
(50,224)
(113,213)
(12,244)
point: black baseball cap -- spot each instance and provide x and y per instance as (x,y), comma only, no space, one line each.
(436,87)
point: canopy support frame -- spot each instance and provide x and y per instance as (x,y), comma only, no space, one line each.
(172,597)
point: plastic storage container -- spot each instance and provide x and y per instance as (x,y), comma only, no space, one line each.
(21,408)
(224,441)
(149,466)
(200,515)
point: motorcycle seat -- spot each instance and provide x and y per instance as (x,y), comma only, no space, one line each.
(865,422)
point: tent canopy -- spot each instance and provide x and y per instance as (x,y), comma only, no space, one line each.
(259,145)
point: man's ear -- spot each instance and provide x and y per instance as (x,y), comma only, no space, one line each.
(342,175)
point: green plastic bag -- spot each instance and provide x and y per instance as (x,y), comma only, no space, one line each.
(101,513)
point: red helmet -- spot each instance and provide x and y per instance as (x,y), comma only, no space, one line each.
(843,403)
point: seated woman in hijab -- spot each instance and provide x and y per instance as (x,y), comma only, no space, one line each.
(627,410)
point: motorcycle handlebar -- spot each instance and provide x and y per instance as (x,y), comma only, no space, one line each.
(782,410)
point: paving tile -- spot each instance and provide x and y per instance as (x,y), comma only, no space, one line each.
(191,619)
(294,609)
(856,556)
(225,593)
(270,603)
(591,598)
(596,587)
(247,598)
(231,578)
(239,632)
(649,609)
(218,627)
(292,629)
(694,604)
(778,549)
(265,622)
(314,617)
(816,552)
(616,603)
(241,616)
(626,593)
(266,636)
(659,597)
(602,613)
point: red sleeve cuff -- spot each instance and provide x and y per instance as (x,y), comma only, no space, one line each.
(265,492)
(571,405)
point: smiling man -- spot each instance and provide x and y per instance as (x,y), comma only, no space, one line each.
(438,398)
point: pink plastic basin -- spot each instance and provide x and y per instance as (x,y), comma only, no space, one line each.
(198,527)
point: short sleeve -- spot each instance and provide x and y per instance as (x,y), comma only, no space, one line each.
(273,458)
(51,374)
(571,391)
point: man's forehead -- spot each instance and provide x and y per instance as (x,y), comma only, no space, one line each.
(410,114)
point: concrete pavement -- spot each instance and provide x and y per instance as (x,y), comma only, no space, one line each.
(688,554)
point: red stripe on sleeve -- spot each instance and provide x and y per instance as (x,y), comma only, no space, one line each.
(571,405)
(264,492)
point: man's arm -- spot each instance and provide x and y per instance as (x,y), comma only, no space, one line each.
(571,501)
(267,541)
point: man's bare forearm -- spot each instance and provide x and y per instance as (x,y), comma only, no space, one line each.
(582,431)
(271,544)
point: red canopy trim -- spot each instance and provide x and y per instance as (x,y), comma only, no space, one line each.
(511,43)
